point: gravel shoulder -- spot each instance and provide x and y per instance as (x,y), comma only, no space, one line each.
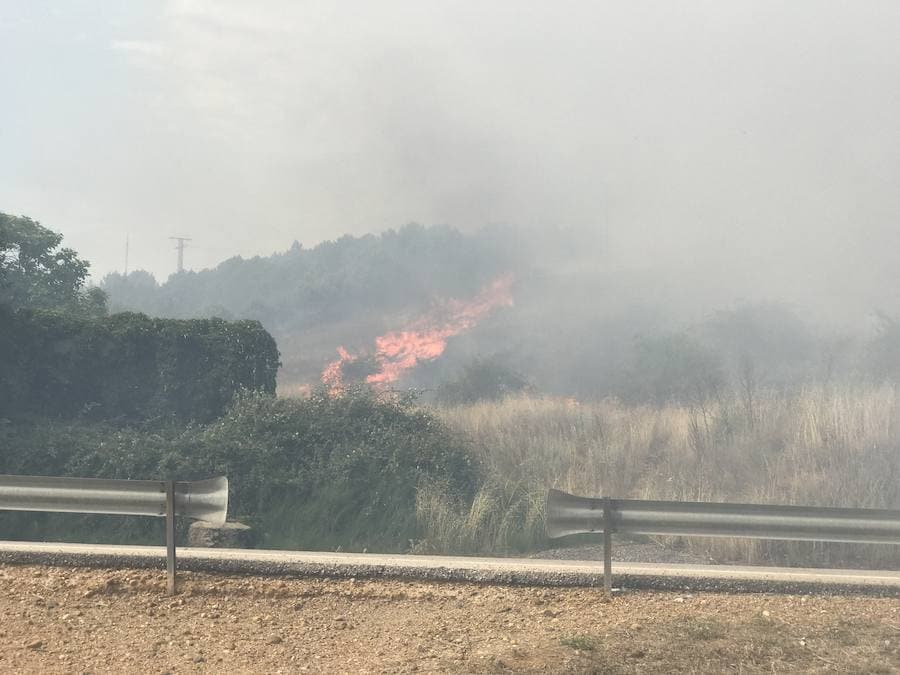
(76,620)
(678,577)
(628,551)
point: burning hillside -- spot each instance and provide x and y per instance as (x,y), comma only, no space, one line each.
(424,340)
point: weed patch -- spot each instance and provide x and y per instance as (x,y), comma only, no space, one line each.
(583,643)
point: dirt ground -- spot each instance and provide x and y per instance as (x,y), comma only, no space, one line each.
(71,620)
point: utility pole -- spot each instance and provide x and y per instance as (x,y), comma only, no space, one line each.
(126,255)
(180,248)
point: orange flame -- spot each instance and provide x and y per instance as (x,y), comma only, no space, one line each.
(332,375)
(399,351)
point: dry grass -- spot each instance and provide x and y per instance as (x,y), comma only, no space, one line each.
(822,446)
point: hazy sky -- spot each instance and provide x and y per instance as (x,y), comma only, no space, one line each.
(756,140)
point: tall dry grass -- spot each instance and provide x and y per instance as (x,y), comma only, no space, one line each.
(822,446)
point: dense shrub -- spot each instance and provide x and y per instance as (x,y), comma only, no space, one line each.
(482,379)
(765,345)
(336,471)
(128,366)
(320,472)
(672,368)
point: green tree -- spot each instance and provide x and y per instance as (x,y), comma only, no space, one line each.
(37,272)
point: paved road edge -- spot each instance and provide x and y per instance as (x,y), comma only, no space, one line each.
(527,572)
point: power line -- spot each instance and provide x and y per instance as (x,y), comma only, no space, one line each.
(180,248)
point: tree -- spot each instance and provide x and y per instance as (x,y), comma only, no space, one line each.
(762,345)
(483,379)
(672,367)
(137,291)
(37,273)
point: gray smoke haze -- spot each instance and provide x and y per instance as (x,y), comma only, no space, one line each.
(725,150)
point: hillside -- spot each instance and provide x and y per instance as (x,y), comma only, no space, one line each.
(343,293)
(504,309)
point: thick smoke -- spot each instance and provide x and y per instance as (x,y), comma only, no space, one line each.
(715,152)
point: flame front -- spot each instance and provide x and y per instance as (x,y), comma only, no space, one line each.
(332,376)
(399,351)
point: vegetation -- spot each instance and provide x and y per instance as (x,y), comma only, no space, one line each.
(348,291)
(129,367)
(300,287)
(128,396)
(60,355)
(483,380)
(823,446)
(749,404)
(320,472)
(35,272)
(672,368)
(584,643)
(575,329)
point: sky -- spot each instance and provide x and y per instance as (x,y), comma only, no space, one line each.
(756,142)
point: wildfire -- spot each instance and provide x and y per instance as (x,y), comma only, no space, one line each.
(425,340)
(332,375)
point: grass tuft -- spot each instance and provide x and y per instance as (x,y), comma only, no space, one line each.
(583,643)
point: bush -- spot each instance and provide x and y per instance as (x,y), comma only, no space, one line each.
(672,368)
(768,344)
(334,471)
(483,380)
(320,472)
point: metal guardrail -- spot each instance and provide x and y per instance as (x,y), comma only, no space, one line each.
(568,514)
(205,500)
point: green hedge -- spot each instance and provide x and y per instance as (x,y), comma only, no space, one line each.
(129,367)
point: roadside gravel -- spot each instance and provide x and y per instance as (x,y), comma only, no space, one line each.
(649,552)
(78,620)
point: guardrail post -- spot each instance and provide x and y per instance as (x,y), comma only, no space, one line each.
(170,537)
(607,546)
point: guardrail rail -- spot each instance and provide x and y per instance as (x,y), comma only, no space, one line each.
(205,500)
(569,514)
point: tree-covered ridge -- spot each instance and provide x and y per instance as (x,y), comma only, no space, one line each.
(579,326)
(303,287)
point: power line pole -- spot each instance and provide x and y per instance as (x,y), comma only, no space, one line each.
(180,248)
(126,255)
